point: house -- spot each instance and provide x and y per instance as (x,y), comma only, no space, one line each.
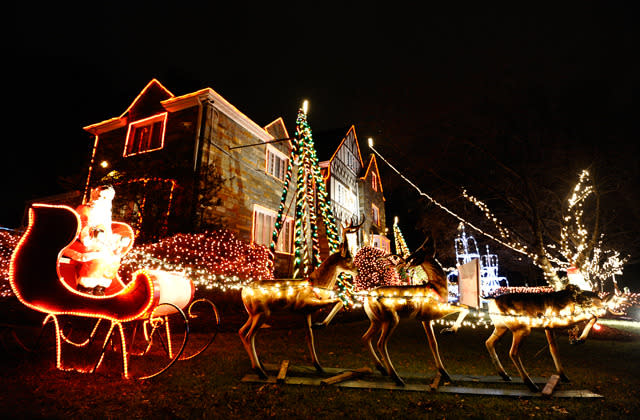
(355,189)
(193,162)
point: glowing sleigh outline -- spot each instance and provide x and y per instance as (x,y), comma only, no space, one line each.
(44,280)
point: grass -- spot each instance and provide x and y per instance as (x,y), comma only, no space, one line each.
(209,386)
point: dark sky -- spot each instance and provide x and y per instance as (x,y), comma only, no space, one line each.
(392,72)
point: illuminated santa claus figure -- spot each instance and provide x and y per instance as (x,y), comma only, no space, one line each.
(97,249)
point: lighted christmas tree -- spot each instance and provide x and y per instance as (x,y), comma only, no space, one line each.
(311,197)
(401,245)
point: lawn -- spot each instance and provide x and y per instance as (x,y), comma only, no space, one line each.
(210,386)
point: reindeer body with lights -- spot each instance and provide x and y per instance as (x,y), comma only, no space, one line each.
(386,305)
(306,297)
(520,312)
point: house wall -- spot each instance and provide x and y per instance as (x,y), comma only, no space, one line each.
(368,197)
(173,161)
(244,169)
(246,182)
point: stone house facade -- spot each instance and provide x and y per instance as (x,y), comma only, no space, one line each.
(193,162)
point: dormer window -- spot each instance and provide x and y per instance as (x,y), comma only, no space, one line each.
(146,135)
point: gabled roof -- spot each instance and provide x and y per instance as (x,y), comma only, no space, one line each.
(278,130)
(175,103)
(325,141)
(116,122)
(152,84)
(352,128)
(373,167)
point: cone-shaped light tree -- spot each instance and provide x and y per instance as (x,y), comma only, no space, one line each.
(311,201)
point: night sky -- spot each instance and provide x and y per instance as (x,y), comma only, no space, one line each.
(408,78)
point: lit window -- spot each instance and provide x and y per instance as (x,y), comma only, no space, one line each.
(264,221)
(345,197)
(375,213)
(277,163)
(374,181)
(381,242)
(145,135)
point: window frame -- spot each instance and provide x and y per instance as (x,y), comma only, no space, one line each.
(281,246)
(269,168)
(148,121)
(375,214)
(381,242)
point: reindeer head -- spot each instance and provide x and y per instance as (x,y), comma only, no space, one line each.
(346,259)
(615,303)
(343,248)
(425,252)
(338,262)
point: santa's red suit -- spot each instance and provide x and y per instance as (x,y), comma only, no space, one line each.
(97,248)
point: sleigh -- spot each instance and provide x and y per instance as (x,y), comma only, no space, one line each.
(146,319)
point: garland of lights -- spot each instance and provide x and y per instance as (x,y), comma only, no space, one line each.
(346,289)
(281,208)
(309,186)
(301,248)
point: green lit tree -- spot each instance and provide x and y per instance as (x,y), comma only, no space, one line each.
(312,202)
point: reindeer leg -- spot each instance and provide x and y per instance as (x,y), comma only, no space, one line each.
(456,326)
(249,342)
(518,336)
(241,331)
(387,329)
(497,334)
(433,344)
(312,347)
(585,332)
(319,325)
(374,327)
(553,349)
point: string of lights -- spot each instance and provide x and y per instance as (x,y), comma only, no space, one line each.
(8,241)
(455,215)
(212,260)
(574,234)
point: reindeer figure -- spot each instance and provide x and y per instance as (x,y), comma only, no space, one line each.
(387,304)
(306,297)
(520,312)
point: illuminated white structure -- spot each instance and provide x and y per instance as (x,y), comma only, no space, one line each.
(466,249)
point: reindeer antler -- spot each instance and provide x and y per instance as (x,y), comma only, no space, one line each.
(394,259)
(350,227)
